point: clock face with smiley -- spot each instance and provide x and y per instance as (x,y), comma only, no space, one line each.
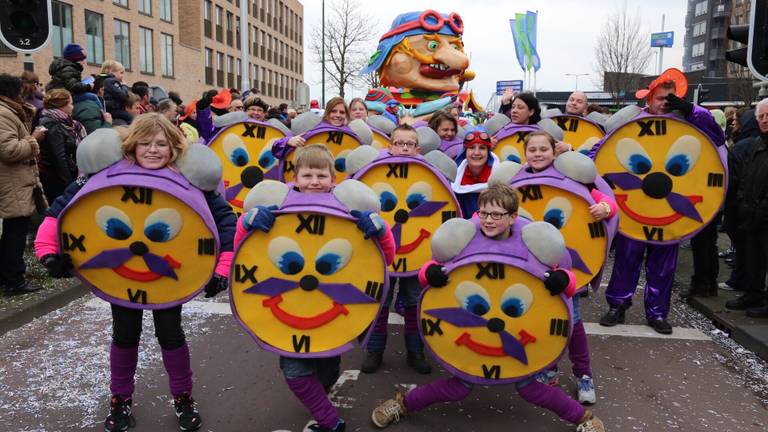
(299,289)
(138,247)
(511,142)
(339,142)
(564,203)
(579,132)
(415,201)
(245,151)
(494,323)
(668,177)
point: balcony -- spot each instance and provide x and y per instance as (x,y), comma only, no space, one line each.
(720,11)
(717,33)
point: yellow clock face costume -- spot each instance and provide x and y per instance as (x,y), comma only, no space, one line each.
(138,247)
(415,201)
(669,178)
(310,286)
(494,323)
(339,142)
(579,132)
(245,151)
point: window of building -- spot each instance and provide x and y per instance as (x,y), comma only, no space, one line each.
(699,28)
(166,54)
(219,13)
(220,69)
(166,10)
(123,43)
(700,8)
(209,66)
(697,50)
(123,3)
(697,66)
(62,27)
(207,5)
(94,37)
(145,7)
(146,60)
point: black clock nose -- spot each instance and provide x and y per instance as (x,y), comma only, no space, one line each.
(138,248)
(495,325)
(401,216)
(308,282)
(657,185)
(251,176)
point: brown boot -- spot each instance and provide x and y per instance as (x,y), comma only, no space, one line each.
(590,423)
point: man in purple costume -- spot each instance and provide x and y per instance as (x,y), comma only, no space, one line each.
(661,98)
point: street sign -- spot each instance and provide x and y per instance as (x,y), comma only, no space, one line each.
(515,85)
(662,40)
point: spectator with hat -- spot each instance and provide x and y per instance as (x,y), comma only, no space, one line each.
(188,122)
(66,71)
(475,165)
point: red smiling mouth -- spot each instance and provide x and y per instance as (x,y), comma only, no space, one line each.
(488,350)
(621,201)
(146,275)
(303,323)
(437,70)
(410,247)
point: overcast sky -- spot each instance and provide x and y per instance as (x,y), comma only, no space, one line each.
(567,33)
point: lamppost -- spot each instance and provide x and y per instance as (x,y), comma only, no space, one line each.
(576,75)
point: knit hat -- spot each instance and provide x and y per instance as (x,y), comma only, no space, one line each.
(74,53)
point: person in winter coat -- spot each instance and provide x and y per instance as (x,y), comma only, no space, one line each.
(115,91)
(18,178)
(31,94)
(58,167)
(66,71)
(125,116)
(90,113)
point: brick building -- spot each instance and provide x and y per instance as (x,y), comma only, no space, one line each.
(183,45)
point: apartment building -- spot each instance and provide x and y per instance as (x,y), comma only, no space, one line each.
(183,45)
(705,42)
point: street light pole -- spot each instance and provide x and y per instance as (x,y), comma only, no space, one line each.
(576,75)
(322,65)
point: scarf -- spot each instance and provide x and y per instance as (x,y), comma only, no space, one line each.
(74,127)
(23,111)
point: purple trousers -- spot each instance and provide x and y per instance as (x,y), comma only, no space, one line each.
(660,266)
(454,389)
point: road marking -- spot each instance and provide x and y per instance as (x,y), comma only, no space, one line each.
(644,332)
(343,401)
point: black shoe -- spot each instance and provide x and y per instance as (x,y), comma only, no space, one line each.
(25,287)
(120,416)
(340,427)
(744,302)
(615,315)
(372,362)
(418,362)
(186,412)
(661,326)
(758,312)
(725,253)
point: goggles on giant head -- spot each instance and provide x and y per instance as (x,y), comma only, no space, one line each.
(430,21)
(477,138)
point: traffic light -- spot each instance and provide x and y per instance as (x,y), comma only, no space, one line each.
(25,25)
(755,36)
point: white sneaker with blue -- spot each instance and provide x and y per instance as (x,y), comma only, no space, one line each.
(586,390)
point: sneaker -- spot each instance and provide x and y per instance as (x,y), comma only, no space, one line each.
(725,253)
(590,423)
(389,412)
(661,326)
(120,416)
(418,362)
(25,287)
(550,377)
(186,412)
(372,362)
(725,286)
(340,427)
(587,390)
(746,301)
(615,315)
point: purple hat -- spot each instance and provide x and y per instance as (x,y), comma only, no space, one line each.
(74,53)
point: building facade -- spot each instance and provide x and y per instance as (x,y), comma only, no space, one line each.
(739,15)
(705,40)
(184,45)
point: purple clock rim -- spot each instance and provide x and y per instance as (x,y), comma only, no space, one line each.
(256,122)
(513,128)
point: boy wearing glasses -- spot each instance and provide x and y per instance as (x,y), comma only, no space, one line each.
(404,141)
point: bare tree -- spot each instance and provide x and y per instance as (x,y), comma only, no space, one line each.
(741,86)
(371,80)
(348,33)
(622,53)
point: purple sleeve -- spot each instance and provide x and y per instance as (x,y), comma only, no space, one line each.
(703,119)
(205,124)
(281,149)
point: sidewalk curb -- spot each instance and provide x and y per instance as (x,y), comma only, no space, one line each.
(750,333)
(55,299)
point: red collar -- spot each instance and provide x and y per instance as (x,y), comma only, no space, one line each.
(469,179)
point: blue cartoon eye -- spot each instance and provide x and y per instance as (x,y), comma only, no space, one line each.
(557,212)
(510,153)
(266,159)
(472,298)
(333,256)
(419,193)
(633,156)
(516,300)
(341,161)
(235,151)
(587,145)
(163,225)
(683,155)
(115,223)
(286,255)
(387,196)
